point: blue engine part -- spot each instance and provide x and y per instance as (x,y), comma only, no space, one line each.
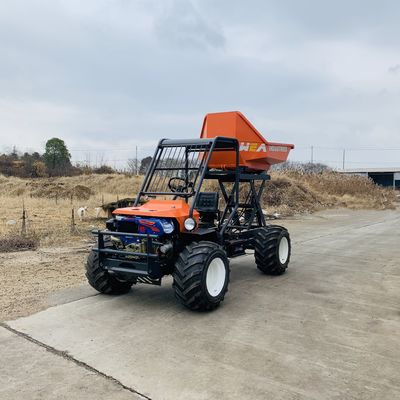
(151,226)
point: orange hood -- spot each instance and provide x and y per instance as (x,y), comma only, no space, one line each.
(177,209)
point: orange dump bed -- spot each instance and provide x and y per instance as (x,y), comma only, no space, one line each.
(255,152)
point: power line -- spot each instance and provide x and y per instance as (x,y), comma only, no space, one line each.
(361,148)
(114,149)
(373,149)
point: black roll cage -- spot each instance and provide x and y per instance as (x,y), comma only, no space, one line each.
(238,217)
(205,146)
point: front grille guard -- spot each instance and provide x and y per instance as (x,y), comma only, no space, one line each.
(129,263)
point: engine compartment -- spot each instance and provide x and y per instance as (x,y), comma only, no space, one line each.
(163,229)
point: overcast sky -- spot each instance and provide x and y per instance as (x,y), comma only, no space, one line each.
(107,75)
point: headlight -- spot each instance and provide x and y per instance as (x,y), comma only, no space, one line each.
(168,227)
(190,224)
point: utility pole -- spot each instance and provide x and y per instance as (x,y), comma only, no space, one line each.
(344,159)
(136,163)
(312,154)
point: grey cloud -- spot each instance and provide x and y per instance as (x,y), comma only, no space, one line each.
(181,24)
(370,20)
(394,69)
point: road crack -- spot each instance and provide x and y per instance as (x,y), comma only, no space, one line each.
(68,357)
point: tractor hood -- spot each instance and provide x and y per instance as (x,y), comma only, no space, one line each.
(177,209)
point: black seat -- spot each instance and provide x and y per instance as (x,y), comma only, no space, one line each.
(207,206)
(207,202)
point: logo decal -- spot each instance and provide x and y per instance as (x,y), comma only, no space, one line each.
(147,224)
(260,147)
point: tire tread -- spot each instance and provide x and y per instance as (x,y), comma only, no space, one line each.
(188,275)
(265,250)
(101,280)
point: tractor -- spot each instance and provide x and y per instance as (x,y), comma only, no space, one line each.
(198,206)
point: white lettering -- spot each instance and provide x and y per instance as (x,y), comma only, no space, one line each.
(278,148)
(244,146)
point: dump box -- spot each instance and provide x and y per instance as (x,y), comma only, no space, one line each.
(256,153)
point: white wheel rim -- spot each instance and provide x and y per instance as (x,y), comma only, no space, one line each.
(283,251)
(215,279)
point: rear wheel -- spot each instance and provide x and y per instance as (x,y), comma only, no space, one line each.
(272,250)
(201,276)
(101,280)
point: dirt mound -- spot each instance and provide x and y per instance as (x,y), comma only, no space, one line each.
(81,187)
(82,192)
(61,190)
(291,192)
(285,195)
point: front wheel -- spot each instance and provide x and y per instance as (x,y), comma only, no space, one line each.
(101,280)
(201,276)
(272,250)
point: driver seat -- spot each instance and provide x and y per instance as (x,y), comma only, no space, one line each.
(207,206)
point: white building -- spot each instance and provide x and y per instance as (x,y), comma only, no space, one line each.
(389,177)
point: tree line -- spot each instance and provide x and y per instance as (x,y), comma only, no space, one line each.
(55,161)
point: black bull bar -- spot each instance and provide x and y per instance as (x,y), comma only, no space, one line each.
(129,263)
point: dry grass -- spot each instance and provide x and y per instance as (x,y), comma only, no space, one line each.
(49,202)
(18,243)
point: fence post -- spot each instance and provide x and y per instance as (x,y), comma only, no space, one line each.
(23,228)
(73,226)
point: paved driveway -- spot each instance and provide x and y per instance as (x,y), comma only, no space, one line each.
(328,329)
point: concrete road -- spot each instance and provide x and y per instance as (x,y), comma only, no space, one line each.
(328,329)
(31,371)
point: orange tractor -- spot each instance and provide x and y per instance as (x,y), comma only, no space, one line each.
(199,206)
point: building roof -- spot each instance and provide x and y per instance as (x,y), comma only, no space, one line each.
(370,170)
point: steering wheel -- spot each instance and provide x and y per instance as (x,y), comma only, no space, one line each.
(175,186)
